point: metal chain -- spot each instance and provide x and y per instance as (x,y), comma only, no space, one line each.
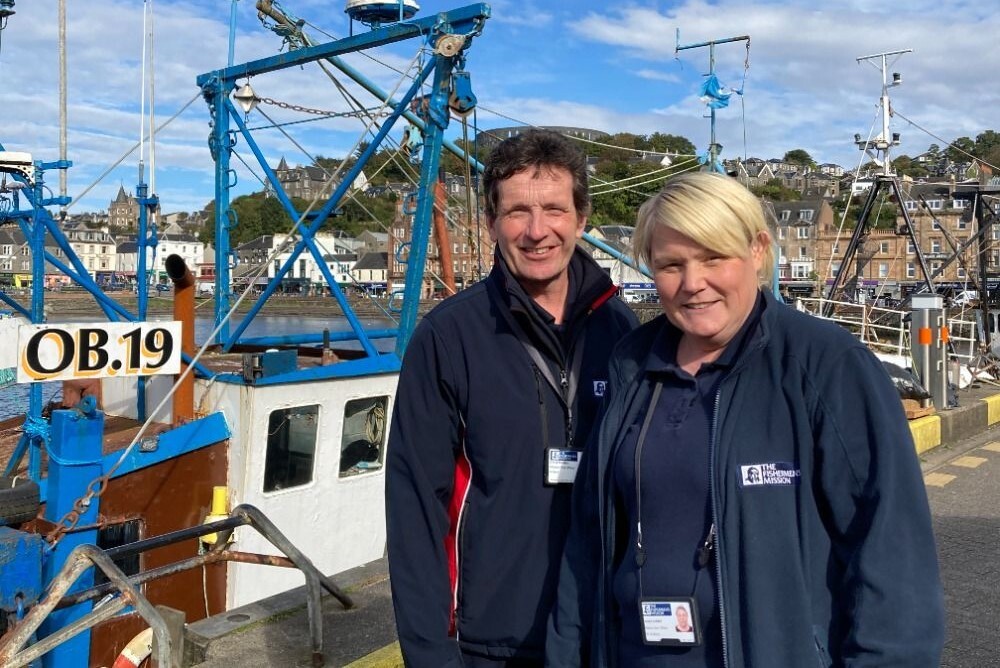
(377,111)
(68,522)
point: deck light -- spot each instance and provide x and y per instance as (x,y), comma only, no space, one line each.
(246,98)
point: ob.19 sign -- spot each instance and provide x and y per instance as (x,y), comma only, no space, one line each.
(97,350)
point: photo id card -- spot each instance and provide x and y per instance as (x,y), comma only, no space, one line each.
(561,465)
(669,621)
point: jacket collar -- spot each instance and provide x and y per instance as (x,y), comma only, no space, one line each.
(663,354)
(589,288)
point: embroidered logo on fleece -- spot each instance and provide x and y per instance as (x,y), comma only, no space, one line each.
(600,387)
(761,475)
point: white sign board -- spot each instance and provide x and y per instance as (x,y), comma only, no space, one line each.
(97,350)
(8,332)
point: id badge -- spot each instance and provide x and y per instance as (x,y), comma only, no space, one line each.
(561,465)
(669,621)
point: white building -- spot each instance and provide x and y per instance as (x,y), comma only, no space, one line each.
(96,249)
(185,245)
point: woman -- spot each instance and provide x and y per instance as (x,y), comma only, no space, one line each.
(753,465)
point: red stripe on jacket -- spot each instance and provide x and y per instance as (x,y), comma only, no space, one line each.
(608,294)
(463,478)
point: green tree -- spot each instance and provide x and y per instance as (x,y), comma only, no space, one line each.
(799,156)
(907,166)
(776,191)
(664,143)
(986,142)
(960,150)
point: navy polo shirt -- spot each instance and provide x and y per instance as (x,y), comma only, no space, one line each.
(676,512)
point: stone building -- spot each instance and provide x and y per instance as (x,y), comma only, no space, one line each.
(305,182)
(471,260)
(942,219)
(123,212)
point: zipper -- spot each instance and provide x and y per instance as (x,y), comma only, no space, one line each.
(712,450)
(564,385)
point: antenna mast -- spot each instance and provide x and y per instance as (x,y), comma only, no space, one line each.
(879,147)
(714,149)
(63,176)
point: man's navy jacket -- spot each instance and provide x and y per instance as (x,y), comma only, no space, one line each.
(475,536)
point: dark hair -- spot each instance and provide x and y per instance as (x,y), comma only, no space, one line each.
(535,149)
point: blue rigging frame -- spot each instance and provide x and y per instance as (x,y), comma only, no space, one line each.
(216,88)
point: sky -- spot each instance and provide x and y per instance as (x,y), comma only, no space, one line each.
(601,65)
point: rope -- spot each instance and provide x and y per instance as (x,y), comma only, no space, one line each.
(36,428)
(69,462)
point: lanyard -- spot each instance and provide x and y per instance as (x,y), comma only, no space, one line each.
(569,379)
(707,545)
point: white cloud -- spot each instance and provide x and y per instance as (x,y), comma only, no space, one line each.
(601,65)
(657,75)
(805,87)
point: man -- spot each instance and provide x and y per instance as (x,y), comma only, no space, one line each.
(497,395)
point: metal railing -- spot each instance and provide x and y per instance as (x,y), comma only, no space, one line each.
(887,330)
(124,591)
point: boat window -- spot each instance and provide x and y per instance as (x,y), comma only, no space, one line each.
(291,447)
(362,448)
(116,535)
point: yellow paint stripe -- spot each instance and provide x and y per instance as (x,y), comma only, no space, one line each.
(387,657)
(969,461)
(992,447)
(938,479)
(926,433)
(993,409)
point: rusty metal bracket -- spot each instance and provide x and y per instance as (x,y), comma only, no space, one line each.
(12,656)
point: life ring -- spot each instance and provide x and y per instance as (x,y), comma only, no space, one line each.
(136,651)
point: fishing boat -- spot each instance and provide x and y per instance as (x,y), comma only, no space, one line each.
(174,474)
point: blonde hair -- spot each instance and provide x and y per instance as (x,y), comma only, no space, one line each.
(713,210)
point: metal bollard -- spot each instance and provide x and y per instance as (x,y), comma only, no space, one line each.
(929,343)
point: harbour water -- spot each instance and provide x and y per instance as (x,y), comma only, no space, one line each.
(14,398)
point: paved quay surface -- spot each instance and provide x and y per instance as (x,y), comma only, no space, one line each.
(963,485)
(961,465)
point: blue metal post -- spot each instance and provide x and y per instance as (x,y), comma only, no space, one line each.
(617,254)
(37,242)
(75,460)
(110,306)
(141,285)
(437,122)
(306,236)
(221,145)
